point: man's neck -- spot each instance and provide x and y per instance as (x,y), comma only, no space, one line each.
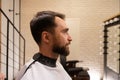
(48,53)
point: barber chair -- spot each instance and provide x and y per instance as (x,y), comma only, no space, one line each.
(76,73)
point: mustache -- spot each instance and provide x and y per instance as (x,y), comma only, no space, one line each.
(68,44)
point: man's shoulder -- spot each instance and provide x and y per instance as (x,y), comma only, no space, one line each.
(23,69)
(29,62)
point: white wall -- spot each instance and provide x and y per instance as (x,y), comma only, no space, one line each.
(84,17)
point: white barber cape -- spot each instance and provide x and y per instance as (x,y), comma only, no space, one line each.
(38,71)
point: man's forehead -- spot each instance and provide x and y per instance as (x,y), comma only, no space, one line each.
(60,22)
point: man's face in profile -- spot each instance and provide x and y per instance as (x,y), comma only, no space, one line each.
(61,39)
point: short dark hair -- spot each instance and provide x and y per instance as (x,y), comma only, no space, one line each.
(43,21)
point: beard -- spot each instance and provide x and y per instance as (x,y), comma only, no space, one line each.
(62,50)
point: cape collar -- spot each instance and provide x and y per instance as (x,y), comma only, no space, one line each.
(45,60)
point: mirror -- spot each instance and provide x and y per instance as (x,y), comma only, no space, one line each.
(113,48)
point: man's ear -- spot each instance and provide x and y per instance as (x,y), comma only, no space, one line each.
(45,36)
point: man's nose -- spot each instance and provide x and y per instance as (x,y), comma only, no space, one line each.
(69,38)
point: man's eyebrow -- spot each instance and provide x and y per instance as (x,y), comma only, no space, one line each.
(65,30)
